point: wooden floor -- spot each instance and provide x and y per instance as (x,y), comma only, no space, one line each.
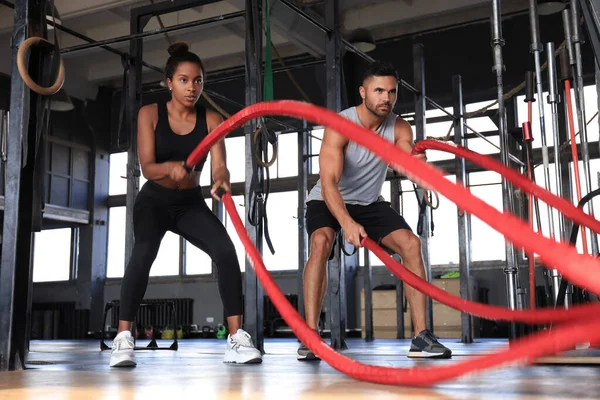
(78,370)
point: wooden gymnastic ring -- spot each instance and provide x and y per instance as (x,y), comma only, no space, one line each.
(22,67)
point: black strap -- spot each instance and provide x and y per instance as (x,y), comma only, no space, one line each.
(342,244)
(49,72)
(126,63)
(259,192)
(422,209)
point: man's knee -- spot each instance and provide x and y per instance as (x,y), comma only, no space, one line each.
(321,242)
(408,244)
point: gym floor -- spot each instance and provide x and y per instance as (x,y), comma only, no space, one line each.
(79,370)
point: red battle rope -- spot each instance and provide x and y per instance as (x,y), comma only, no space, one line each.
(579,269)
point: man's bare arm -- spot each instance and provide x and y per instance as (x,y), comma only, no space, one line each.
(331,163)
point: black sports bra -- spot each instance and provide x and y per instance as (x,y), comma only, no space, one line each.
(170,146)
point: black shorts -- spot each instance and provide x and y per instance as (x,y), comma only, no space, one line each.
(378,219)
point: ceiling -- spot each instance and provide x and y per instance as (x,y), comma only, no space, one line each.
(222,45)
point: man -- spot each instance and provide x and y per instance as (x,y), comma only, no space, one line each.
(348,197)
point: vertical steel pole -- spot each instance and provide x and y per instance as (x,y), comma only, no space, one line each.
(302,187)
(581,116)
(395,204)
(536,48)
(553,99)
(253,304)
(463,233)
(134,100)
(507,200)
(334,103)
(368,296)
(15,264)
(420,108)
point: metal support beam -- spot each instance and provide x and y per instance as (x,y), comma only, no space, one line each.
(497,43)
(590,10)
(217,20)
(302,187)
(464,260)
(420,107)
(93,241)
(581,115)
(15,270)
(368,297)
(334,103)
(253,313)
(395,204)
(134,100)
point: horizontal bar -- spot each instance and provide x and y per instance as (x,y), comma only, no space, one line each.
(219,18)
(164,7)
(307,17)
(59,213)
(87,39)
(283,68)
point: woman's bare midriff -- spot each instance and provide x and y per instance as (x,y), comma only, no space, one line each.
(191,183)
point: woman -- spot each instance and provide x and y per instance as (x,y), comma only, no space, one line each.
(172,200)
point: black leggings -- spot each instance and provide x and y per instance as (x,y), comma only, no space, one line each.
(158,209)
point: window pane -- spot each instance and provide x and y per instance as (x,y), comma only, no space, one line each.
(205,175)
(52,255)
(287,157)
(315,143)
(116,243)
(486,242)
(282,210)
(239,247)
(444,241)
(118,168)
(236,156)
(197,262)
(167,260)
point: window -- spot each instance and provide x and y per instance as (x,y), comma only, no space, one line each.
(118,169)
(486,242)
(52,255)
(287,158)
(315,143)
(282,211)
(239,247)
(167,259)
(236,158)
(197,262)
(115,267)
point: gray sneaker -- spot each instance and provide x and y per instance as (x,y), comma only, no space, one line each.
(304,353)
(426,345)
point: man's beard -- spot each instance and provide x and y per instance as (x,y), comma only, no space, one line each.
(376,110)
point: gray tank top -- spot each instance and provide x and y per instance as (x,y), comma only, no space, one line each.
(364,172)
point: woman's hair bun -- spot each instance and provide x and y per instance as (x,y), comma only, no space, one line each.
(178,48)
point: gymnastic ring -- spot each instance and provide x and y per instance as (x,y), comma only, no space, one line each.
(259,161)
(44,91)
(430,203)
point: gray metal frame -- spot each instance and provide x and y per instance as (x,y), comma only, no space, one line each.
(254,293)
(16,270)
(463,220)
(511,269)
(420,128)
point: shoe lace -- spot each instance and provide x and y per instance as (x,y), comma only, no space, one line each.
(122,342)
(430,337)
(242,338)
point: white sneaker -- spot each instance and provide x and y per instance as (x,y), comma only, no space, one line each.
(122,351)
(241,350)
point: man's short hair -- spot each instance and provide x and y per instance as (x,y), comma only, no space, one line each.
(380,68)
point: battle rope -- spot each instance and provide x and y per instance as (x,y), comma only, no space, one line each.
(580,269)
